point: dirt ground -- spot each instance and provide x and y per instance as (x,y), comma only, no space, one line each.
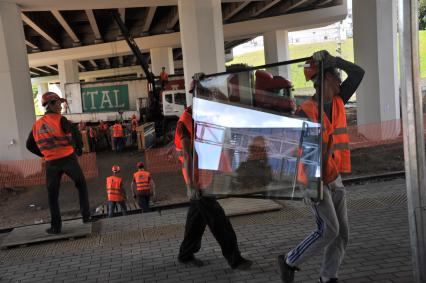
(22,206)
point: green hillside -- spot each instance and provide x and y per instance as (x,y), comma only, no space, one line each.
(305,50)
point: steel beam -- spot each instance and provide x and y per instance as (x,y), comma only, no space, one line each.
(66,26)
(94,25)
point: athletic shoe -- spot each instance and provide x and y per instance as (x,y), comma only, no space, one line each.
(287,271)
(192,261)
(244,264)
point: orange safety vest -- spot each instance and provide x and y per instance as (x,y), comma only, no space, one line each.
(164,76)
(103,127)
(52,141)
(142,179)
(336,153)
(134,125)
(117,131)
(202,178)
(114,190)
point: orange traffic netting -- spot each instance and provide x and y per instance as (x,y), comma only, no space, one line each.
(161,160)
(25,173)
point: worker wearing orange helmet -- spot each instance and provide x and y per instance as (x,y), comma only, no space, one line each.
(143,186)
(332,233)
(55,139)
(203,211)
(115,192)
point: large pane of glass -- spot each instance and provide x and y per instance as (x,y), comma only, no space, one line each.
(250,140)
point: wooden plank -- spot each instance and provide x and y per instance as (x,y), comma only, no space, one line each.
(37,233)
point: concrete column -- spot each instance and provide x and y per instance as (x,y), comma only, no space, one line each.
(276,50)
(162,57)
(201,33)
(17,106)
(68,73)
(375,47)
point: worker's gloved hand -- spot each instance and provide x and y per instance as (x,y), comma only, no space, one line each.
(198,76)
(193,193)
(78,151)
(323,55)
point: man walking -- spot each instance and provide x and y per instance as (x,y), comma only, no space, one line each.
(332,232)
(203,210)
(53,137)
(118,136)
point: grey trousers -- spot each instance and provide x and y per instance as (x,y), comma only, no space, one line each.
(331,235)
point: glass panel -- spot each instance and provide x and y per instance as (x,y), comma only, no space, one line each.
(169,98)
(180,98)
(250,140)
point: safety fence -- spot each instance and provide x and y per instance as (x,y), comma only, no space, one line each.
(163,160)
(25,173)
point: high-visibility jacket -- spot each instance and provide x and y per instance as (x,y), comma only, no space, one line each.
(114,190)
(134,125)
(117,131)
(336,153)
(164,76)
(201,178)
(142,179)
(52,141)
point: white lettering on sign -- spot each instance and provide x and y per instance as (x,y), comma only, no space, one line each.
(116,91)
(92,98)
(105,99)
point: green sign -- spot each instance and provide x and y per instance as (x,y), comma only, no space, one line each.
(105,98)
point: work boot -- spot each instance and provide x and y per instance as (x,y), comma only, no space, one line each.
(53,231)
(244,264)
(287,271)
(192,261)
(331,280)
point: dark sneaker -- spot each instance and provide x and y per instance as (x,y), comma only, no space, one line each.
(53,231)
(89,219)
(192,261)
(331,280)
(287,271)
(244,264)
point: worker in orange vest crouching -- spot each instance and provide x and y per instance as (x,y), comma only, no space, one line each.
(115,192)
(143,187)
(55,139)
(203,211)
(332,233)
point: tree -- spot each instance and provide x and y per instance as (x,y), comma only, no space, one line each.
(422,14)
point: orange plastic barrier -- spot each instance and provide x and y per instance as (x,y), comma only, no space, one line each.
(32,172)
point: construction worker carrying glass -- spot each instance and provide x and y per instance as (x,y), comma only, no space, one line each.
(115,192)
(332,233)
(143,187)
(56,139)
(202,210)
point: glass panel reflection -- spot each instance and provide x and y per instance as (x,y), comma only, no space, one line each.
(248,144)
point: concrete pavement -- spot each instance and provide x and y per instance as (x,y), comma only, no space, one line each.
(143,248)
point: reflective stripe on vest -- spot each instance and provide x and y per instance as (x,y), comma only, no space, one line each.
(51,140)
(336,152)
(113,186)
(141,179)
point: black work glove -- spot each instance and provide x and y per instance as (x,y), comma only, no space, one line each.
(328,60)
(198,76)
(194,194)
(79,151)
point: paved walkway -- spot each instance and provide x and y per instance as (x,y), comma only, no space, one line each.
(143,248)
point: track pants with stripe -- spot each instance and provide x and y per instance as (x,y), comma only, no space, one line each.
(331,235)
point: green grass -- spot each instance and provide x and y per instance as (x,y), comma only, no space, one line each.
(256,58)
